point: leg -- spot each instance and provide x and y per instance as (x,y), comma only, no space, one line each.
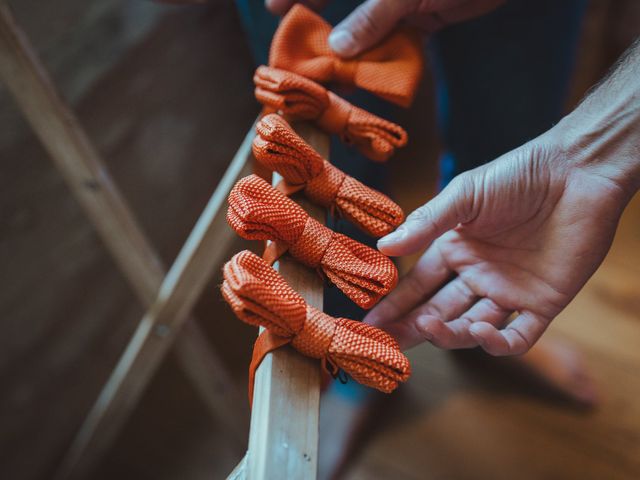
(502,78)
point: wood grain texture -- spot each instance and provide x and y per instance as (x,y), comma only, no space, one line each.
(75,157)
(283,440)
(203,251)
(79,163)
(67,310)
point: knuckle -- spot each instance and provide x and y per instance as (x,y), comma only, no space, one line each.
(433,310)
(425,332)
(493,308)
(521,344)
(464,290)
(365,23)
(466,319)
(465,196)
(423,216)
(463,183)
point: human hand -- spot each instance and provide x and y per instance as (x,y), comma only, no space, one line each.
(521,234)
(374,19)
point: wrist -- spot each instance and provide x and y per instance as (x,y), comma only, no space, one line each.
(604,141)
(602,135)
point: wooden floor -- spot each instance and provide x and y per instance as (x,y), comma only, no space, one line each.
(168,120)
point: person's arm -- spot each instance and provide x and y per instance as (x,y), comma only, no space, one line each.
(374,19)
(522,234)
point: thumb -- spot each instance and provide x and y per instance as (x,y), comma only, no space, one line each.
(367,25)
(453,206)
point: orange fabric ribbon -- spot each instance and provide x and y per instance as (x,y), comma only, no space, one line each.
(390,70)
(280,149)
(299,98)
(260,296)
(257,211)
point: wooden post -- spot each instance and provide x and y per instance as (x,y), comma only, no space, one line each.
(87,177)
(283,440)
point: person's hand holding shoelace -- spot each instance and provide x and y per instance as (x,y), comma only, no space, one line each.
(371,21)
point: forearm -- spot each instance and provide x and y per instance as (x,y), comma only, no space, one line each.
(603,133)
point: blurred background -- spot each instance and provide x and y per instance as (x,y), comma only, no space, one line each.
(165,93)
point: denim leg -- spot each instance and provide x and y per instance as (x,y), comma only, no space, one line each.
(502,78)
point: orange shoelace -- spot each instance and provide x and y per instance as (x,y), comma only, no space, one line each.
(280,149)
(259,296)
(299,98)
(257,211)
(390,70)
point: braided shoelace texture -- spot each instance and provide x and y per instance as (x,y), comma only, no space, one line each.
(257,211)
(260,296)
(279,148)
(390,70)
(299,98)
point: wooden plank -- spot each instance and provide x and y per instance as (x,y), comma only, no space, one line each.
(76,158)
(80,165)
(203,251)
(240,472)
(283,440)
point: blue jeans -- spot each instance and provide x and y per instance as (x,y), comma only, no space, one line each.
(501,80)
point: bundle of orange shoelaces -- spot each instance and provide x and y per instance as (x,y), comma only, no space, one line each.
(288,88)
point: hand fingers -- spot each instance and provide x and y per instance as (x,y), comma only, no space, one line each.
(410,334)
(444,333)
(454,205)
(367,25)
(455,334)
(424,278)
(280,7)
(448,303)
(515,339)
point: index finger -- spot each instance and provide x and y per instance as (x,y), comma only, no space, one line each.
(425,277)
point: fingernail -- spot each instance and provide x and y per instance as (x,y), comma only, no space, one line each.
(393,237)
(343,43)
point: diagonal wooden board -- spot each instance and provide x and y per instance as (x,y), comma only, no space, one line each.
(203,251)
(79,163)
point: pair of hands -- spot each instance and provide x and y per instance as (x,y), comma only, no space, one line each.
(518,236)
